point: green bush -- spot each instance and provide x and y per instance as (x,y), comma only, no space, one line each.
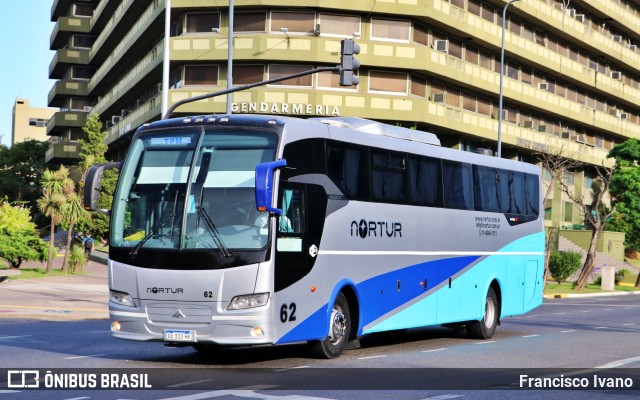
(563,264)
(77,258)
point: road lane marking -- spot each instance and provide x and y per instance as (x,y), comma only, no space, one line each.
(570,330)
(528,336)
(177,385)
(292,368)
(629,324)
(371,357)
(559,313)
(601,327)
(486,342)
(585,311)
(78,357)
(444,397)
(13,337)
(619,363)
(434,350)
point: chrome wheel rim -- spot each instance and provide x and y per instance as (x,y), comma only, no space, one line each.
(489,314)
(338,325)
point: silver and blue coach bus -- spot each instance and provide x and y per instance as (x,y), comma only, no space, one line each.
(247,230)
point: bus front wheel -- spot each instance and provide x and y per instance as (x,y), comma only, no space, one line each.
(486,327)
(339,330)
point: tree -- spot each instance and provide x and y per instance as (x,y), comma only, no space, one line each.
(596,215)
(557,162)
(92,151)
(21,168)
(72,211)
(625,192)
(55,185)
(19,239)
(92,146)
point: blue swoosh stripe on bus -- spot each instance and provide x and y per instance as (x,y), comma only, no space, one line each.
(381,294)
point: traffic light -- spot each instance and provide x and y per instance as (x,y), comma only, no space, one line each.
(349,64)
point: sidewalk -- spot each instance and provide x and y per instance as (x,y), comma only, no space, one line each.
(72,297)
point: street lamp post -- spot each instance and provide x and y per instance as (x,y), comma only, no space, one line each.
(504,19)
(230,58)
(166,58)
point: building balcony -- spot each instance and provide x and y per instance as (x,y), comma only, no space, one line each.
(102,14)
(113,65)
(138,77)
(64,58)
(64,27)
(124,19)
(148,111)
(63,89)
(62,153)
(61,121)
(59,8)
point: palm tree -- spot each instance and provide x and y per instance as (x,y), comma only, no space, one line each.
(55,185)
(72,211)
(50,204)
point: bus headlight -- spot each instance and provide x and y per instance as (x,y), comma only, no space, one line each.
(121,298)
(248,301)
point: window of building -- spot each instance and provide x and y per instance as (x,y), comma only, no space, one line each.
(471,55)
(250,22)
(247,74)
(484,106)
(418,86)
(75,134)
(38,122)
(201,75)
(454,97)
(473,6)
(279,70)
(469,101)
(83,10)
(488,13)
(202,22)
(331,79)
(82,72)
(388,29)
(295,22)
(338,25)
(82,41)
(455,48)
(486,60)
(421,34)
(568,211)
(515,26)
(80,104)
(392,82)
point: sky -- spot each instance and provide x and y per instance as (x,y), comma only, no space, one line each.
(25,29)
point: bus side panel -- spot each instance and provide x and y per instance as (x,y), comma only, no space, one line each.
(490,268)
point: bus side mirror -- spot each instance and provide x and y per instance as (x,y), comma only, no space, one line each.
(92,184)
(264,185)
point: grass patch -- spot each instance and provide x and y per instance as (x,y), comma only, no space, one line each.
(567,288)
(32,273)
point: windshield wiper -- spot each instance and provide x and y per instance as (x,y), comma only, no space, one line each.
(213,231)
(169,217)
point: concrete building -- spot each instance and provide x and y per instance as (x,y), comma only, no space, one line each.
(571,78)
(29,122)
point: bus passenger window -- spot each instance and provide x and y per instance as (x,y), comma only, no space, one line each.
(292,218)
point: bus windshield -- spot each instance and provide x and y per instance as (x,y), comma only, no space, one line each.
(192,190)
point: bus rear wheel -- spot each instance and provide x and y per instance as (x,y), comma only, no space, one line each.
(486,327)
(339,330)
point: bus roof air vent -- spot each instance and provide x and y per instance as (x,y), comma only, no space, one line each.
(485,152)
(378,128)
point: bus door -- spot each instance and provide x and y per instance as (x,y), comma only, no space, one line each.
(298,231)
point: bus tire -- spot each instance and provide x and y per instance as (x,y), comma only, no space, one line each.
(339,330)
(486,327)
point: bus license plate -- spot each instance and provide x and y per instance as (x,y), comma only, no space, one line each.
(179,335)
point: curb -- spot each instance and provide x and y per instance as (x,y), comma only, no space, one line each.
(578,295)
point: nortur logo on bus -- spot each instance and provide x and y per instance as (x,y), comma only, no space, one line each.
(379,229)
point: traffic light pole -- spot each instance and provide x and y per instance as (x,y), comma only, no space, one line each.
(245,87)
